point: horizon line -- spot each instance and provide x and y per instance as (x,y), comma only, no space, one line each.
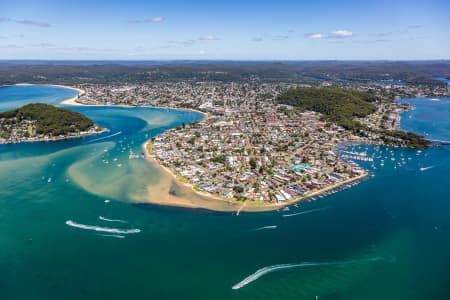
(228,60)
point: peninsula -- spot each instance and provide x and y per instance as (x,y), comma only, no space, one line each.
(260,146)
(272,153)
(43,122)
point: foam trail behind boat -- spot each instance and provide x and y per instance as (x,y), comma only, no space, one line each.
(263,227)
(306,212)
(102,229)
(105,137)
(426,168)
(113,235)
(266,270)
(112,220)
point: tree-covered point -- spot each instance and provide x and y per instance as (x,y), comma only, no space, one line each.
(50,120)
(413,140)
(337,105)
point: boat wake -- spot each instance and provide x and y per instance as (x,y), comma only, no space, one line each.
(112,220)
(105,137)
(426,168)
(113,236)
(275,268)
(102,229)
(306,212)
(263,228)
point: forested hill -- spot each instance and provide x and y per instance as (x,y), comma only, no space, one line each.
(47,119)
(337,105)
(342,106)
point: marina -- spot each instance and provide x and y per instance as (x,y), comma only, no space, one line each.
(395,207)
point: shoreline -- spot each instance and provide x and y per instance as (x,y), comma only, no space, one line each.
(186,196)
(73,99)
(245,206)
(56,139)
(72,102)
(189,196)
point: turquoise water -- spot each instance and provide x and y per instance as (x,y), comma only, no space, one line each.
(386,238)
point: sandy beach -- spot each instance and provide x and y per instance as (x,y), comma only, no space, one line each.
(189,197)
(71,101)
(171,191)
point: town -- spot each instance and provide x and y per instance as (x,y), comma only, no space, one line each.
(248,147)
(217,95)
(264,156)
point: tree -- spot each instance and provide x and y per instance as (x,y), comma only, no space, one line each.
(252,162)
(238,189)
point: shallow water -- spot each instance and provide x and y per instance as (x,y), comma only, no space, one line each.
(394,227)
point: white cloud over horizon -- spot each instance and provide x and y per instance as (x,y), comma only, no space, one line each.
(156,19)
(315,36)
(342,33)
(208,38)
(26,22)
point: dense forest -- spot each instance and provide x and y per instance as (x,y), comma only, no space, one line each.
(337,105)
(79,72)
(49,120)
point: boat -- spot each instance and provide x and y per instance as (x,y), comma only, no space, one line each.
(425,168)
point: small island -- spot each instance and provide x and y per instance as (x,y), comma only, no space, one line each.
(44,122)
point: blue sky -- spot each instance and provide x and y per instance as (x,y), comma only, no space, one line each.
(238,30)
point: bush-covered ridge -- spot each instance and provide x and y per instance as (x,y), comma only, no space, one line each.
(342,106)
(337,105)
(50,120)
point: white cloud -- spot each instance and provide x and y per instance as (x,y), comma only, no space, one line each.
(10,46)
(202,52)
(188,42)
(5,36)
(26,22)
(315,36)
(280,37)
(155,20)
(341,33)
(149,20)
(44,45)
(33,23)
(208,38)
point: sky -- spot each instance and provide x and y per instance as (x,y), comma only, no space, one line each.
(229,30)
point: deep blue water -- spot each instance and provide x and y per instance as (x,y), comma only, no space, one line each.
(431,117)
(443,79)
(386,238)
